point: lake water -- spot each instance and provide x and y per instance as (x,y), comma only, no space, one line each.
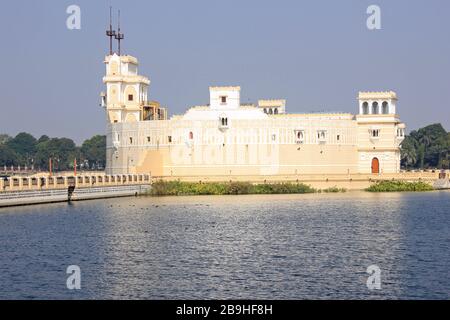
(257,247)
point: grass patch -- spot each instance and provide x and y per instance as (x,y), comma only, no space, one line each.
(400,186)
(178,188)
(334,190)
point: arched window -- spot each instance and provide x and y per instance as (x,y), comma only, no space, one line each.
(300,136)
(375,108)
(385,107)
(365,108)
(276,111)
(265,110)
(270,111)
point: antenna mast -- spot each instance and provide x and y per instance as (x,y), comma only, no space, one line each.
(110,33)
(119,36)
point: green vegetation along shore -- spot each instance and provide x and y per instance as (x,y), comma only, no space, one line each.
(400,186)
(26,151)
(178,188)
(426,148)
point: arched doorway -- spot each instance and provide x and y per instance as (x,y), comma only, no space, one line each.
(375,165)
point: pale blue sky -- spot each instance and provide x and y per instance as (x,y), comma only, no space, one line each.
(317,54)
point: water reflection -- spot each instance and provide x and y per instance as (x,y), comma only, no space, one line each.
(282,247)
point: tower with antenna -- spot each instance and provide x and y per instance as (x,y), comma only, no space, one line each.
(119,36)
(126,95)
(110,33)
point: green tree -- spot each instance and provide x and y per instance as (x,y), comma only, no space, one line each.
(4,138)
(24,145)
(94,151)
(409,152)
(434,141)
(43,138)
(430,145)
(62,151)
(7,156)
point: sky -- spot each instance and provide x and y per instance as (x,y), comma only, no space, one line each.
(316,54)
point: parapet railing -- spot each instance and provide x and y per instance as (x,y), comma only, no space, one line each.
(38,183)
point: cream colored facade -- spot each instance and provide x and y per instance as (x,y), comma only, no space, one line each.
(230,139)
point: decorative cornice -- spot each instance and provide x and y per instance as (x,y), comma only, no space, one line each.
(376,95)
(226,88)
(128,79)
(272,103)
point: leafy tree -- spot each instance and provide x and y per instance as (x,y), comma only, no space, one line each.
(24,149)
(4,138)
(24,145)
(434,140)
(62,151)
(94,151)
(429,146)
(7,156)
(409,152)
(43,138)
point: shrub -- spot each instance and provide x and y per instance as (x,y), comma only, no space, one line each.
(399,186)
(334,190)
(178,188)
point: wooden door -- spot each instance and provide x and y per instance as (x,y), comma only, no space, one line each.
(375,166)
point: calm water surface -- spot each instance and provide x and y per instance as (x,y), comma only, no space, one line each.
(262,247)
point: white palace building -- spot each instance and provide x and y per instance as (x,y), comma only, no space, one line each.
(229,138)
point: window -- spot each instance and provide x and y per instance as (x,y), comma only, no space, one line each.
(300,136)
(148,139)
(365,108)
(131,140)
(130,97)
(385,108)
(375,108)
(191,135)
(375,133)
(274,137)
(338,138)
(223,99)
(276,111)
(322,136)
(223,121)
(270,111)
(170,139)
(265,110)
